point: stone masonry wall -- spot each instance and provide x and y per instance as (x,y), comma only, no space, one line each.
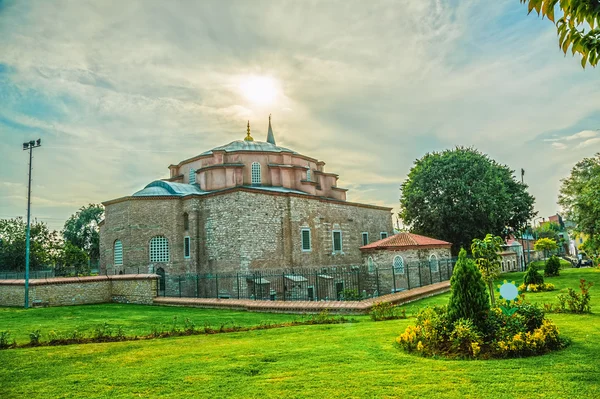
(80,290)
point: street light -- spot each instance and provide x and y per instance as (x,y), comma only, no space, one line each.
(29,146)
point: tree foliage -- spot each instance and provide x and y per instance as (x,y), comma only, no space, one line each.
(533,276)
(545,244)
(552,267)
(72,260)
(487,258)
(580,199)
(577,15)
(81,229)
(457,195)
(468,299)
(44,245)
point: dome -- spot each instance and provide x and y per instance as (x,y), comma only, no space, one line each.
(242,145)
(161,187)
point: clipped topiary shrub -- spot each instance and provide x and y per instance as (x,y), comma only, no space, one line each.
(533,276)
(468,296)
(552,267)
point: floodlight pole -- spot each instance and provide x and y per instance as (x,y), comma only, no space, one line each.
(29,146)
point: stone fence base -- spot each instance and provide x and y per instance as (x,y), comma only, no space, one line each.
(62,291)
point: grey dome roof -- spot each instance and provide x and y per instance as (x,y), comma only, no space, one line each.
(242,145)
(161,187)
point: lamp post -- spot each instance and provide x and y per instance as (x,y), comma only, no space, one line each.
(29,146)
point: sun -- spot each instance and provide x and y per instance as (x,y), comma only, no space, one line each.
(260,90)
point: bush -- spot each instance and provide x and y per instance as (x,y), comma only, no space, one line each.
(537,287)
(350,295)
(468,296)
(533,276)
(525,333)
(552,267)
(386,311)
(573,302)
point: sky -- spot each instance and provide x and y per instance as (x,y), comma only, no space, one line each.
(118,90)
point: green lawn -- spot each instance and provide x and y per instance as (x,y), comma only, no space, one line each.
(356,360)
(541,264)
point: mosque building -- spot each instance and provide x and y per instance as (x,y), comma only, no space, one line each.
(239,208)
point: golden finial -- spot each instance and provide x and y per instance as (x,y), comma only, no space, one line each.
(248,137)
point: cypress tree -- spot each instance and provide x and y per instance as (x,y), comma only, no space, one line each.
(468,296)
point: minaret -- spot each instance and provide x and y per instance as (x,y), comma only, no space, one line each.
(248,137)
(270,136)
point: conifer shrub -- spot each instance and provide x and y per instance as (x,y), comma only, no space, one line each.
(552,267)
(533,276)
(468,296)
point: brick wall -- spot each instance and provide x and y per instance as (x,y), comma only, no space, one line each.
(81,290)
(241,230)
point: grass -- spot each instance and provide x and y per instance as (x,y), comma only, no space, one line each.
(541,264)
(355,360)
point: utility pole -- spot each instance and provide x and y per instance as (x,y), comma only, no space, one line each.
(29,146)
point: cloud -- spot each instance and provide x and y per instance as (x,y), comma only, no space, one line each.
(119,91)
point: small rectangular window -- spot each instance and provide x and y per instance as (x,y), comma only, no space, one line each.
(306,240)
(365,238)
(337,241)
(186,247)
(383,235)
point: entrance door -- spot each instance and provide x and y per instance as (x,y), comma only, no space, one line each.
(161,281)
(339,287)
(311,293)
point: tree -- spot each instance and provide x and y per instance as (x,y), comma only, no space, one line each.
(533,276)
(579,198)
(546,245)
(552,267)
(72,260)
(468,299)
(575,14)
(44,245)
(487,259)
(457,195)
(81,229)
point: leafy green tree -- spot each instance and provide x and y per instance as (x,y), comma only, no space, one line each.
(546,245)
(576,16)
(487,258)
(468,299)
(580,199)
(460,194)
(81,229)
(44,245)
(552,267)
(72,260)
(533,276)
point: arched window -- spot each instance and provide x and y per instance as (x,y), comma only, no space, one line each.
(514,264)
(118,252)
(186,221)
(255,173)
(192,176)
(371,265)
(308,174)
(502,265)
(398,264)
(433,263)
(159,249)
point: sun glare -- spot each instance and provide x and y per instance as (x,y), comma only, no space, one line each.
(260,90)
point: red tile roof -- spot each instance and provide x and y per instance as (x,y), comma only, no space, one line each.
(403,241)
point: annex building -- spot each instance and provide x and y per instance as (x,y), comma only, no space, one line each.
(239,208)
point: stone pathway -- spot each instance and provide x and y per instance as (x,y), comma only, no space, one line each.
(346,307)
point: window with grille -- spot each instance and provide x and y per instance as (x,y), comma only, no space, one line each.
(398,264)
(371,265)
(186,247)
(365,238)
(433,263)
(118,253)
(337,241)
(159,249)
(383,235)
(308,174)
(305,239)
(192,176)
(255,173)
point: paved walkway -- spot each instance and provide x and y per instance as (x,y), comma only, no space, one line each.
(347,307)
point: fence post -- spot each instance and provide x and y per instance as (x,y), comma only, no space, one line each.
(358,280)
(408,275)
(316,286)
(420,281)
(179,286)
(237,276)
(217,285)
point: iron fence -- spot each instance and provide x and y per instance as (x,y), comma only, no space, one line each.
(310,284)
